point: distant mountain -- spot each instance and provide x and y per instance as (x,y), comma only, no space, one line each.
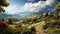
(4,15)
(14,16)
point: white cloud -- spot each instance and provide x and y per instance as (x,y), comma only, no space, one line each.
(32,7)
(39,6)
(11,9)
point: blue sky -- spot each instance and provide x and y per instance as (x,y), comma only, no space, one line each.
(59,0)
(20,3)
(18,6)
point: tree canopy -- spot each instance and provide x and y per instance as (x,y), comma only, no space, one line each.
(57,8)
(3,3)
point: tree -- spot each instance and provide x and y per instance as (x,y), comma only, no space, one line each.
(3,19)
(57,8)
(10,20)
(3,3)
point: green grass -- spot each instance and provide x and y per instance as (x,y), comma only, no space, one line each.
(52,30)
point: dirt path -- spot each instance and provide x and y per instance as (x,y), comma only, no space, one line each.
(39,28)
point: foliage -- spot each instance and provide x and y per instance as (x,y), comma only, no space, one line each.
(16,30)
(52,31)
(3,3)
(10,20)
(57,8)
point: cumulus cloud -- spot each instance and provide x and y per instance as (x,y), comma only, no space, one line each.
(32,7)
(11,9)
(39,6)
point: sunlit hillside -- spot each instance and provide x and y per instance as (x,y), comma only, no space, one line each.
(29,16)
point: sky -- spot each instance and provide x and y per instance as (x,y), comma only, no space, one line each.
(29,6)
